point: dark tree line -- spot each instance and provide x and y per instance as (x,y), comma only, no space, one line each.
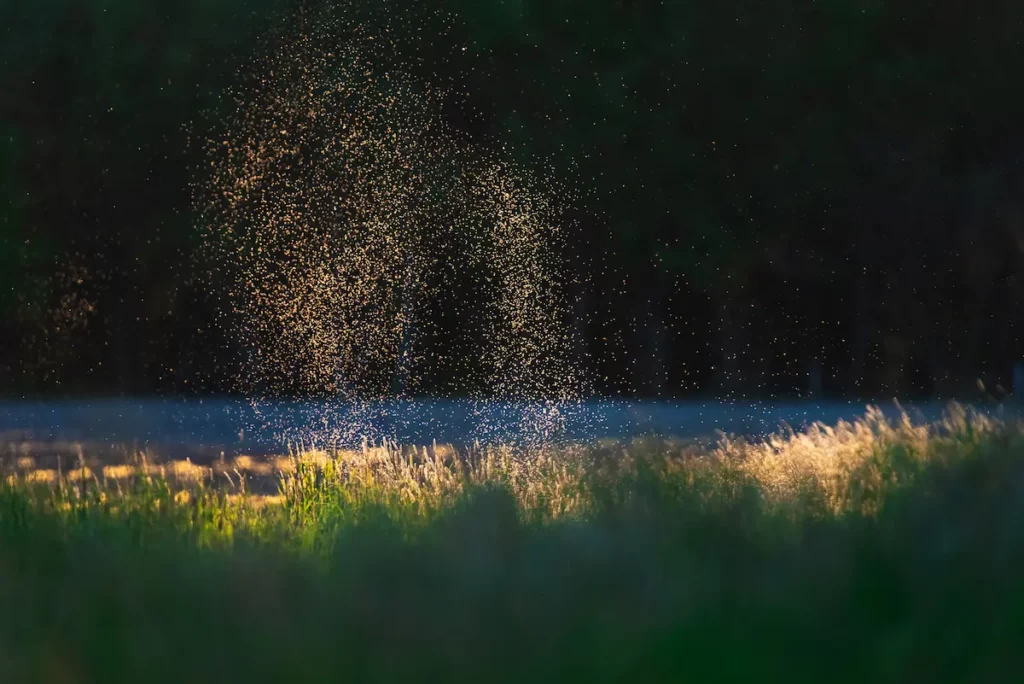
(765,188)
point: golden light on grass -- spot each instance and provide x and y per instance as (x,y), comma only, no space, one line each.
(243,462)
(846,468)
(80,474)
(188,471)
(119,472)
(249,465)
(444,450)
(151,469)
(284,464)
(320,458)
(839,463)
(46,475)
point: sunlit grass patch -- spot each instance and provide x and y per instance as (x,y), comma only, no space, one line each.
(41,475)
(248,464)
(834,470)
(186,471)
(643,560)
(119,472)
(284,464)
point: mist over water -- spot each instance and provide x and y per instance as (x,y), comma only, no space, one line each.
(362,249)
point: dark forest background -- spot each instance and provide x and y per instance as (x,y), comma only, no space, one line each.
(779,197)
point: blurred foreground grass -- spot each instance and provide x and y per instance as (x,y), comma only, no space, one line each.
(871,551)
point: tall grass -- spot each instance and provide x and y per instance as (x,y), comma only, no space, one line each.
(874,550)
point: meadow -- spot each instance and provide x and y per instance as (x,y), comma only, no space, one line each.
(876,550)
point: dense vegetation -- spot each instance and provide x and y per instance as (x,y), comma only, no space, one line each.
(865,552)
(767,185)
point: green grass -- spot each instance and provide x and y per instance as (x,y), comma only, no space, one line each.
(865,552)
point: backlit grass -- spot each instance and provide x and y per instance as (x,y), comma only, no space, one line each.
(872,551)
